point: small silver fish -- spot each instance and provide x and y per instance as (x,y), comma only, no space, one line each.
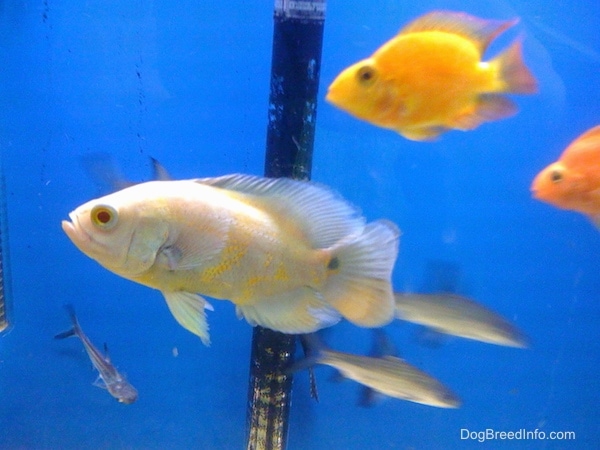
(459,316)
(388,375)
(109,378)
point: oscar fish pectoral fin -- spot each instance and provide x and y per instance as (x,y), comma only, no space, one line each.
(188,310)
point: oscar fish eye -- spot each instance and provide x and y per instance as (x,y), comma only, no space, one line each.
(366,75)
(104,217)
(556,176)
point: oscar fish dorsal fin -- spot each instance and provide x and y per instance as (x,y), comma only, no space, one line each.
(480,31)
(322,215)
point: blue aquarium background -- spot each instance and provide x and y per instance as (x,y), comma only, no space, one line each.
(187,83)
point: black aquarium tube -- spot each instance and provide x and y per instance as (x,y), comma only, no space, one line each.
(295,69)
(5,291)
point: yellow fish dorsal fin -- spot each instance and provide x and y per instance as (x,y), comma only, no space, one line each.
(322,215)
(480,31)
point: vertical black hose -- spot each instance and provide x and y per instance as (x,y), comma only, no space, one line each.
(295,68)
(5,293)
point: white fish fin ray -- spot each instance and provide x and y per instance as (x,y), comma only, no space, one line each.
(99,382)
(104,172)
(431,337)
(323,216)
(480,31)
(382,344)
(295,312)
(369,397)
(106,355)
(394,359)
(188,310)
(159,172)
(359,287)
(240,315)
(303,364)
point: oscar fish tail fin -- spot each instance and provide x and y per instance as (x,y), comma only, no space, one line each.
(359,283)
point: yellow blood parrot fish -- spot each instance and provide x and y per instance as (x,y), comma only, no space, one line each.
(431,78)
(291,255)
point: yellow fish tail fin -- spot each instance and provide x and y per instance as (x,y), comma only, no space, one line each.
(479,31)
(296,312)
(359,283)
(513,76)
(188,310)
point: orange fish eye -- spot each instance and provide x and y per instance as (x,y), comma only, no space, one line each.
(104,217)
(556,176)
(366,75)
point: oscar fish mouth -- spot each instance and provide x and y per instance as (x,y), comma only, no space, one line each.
(102,252)
(76,233)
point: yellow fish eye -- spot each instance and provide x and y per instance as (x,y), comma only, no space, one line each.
(366,75)
(104,217)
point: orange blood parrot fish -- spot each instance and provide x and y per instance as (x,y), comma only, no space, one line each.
(291,255)
(431,78)
(573,182)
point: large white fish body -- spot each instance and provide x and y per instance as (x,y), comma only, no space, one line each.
(292,255)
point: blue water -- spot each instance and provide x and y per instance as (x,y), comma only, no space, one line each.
(188,85)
